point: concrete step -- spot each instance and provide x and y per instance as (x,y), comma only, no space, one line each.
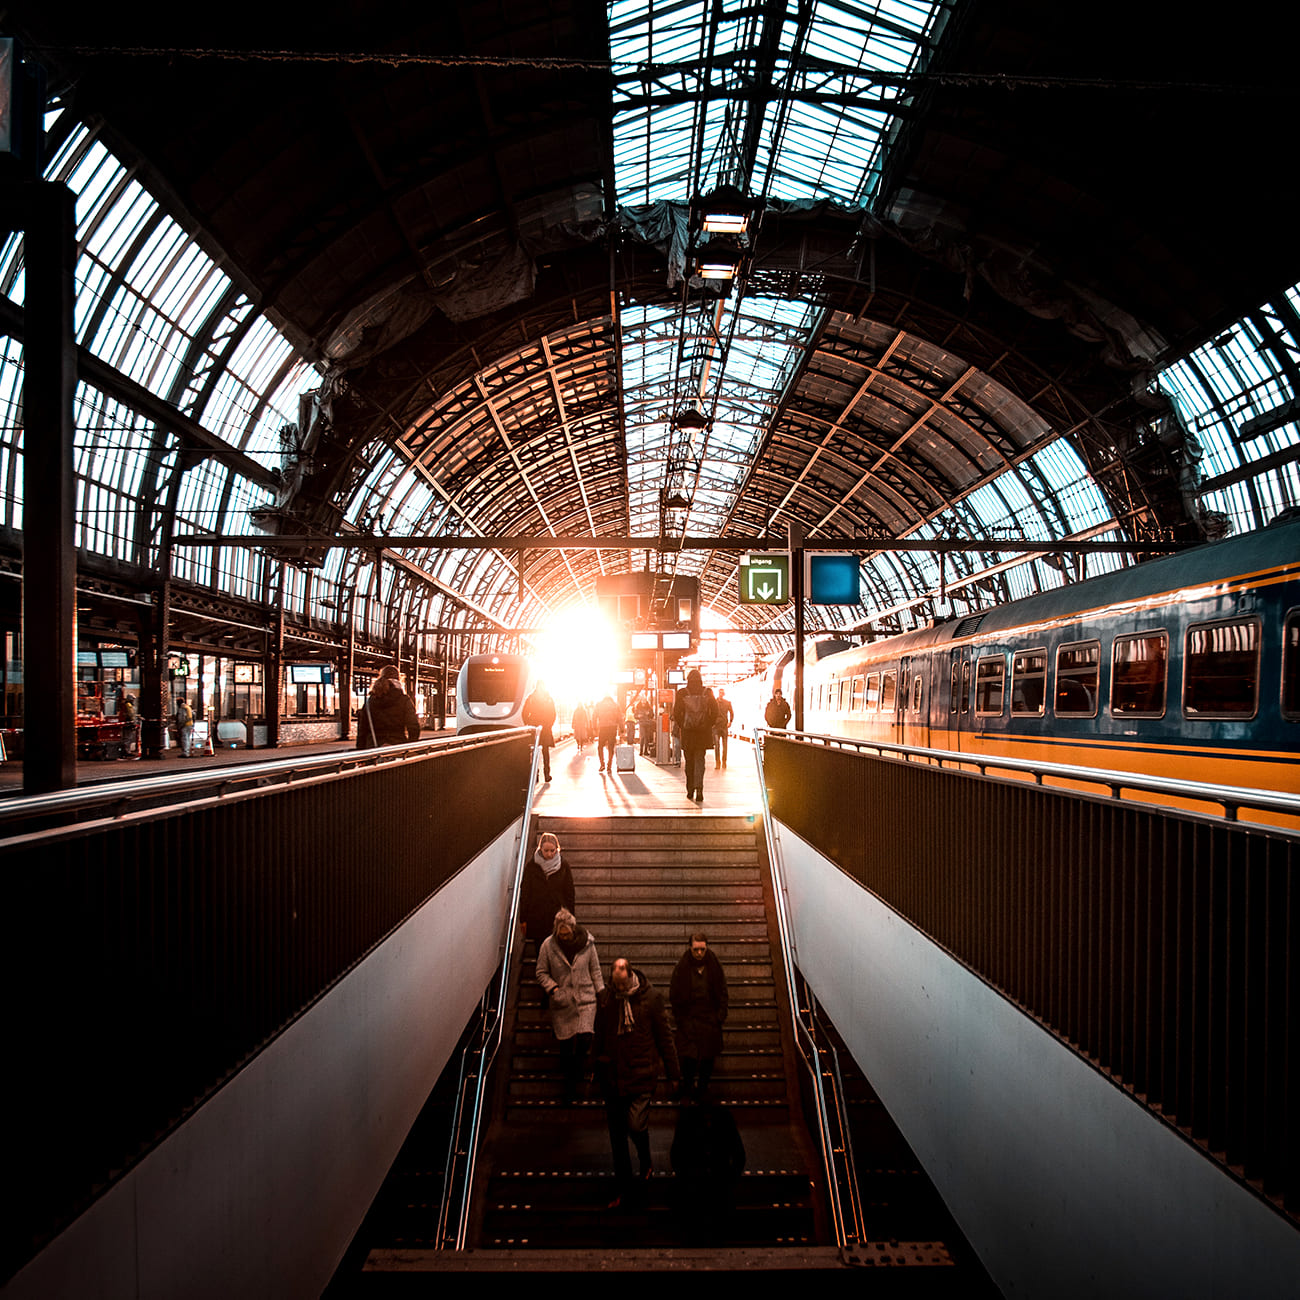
(545,1057)
(623,890)
(659,965)
(669,824)
(725,1088)
(632,857)
(737,1035)
(667,907)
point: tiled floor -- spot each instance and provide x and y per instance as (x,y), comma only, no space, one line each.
(579,789)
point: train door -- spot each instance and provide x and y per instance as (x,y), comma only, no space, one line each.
(914,702)
(959,698)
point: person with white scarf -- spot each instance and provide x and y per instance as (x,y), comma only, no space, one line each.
(547,887)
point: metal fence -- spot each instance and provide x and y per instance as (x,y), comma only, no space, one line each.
(150,954)
(1161,946)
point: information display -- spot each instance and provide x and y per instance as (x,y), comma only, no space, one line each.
(831,578)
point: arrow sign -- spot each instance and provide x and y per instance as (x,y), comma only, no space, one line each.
(765,580)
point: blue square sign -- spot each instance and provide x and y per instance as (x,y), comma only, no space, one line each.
(832,579)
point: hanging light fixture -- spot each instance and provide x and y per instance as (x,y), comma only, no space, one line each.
(724,211)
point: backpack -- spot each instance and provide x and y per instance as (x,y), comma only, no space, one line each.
(695,716)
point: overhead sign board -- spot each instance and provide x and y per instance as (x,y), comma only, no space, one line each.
(765,580)
(831,578)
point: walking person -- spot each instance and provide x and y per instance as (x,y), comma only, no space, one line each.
(695,712)
(547,888)
(607,720)
(698,995)
(722,728)
(645,723)
(580,725)
(777,713)
(185,726)
(388,716)
(632,1040)
(130,726)
(539,711)
(568,970)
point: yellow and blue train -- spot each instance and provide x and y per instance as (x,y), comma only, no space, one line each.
(1185,667)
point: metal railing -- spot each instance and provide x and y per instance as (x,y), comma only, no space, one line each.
(817,1053)
(462,1150)
(1159,944)
(159,942)
(115,799)
(1231,798)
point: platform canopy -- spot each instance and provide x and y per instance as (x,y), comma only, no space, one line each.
(1011,271)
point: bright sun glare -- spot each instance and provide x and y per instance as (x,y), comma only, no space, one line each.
(576,658)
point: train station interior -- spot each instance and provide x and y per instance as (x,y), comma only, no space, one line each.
(935,362)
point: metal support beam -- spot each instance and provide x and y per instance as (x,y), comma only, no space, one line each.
(669,545)
(46,214)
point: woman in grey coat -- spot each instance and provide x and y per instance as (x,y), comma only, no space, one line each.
(568,970)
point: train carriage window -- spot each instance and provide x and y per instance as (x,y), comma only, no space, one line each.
(857,694)
(888,692)
(916,693)
(873,692)
(1029,682)
(990,678)
(1291,665)
(955,686)
(1078,673)
(845,685)
(965,687)
(1221,669)
(1137,684)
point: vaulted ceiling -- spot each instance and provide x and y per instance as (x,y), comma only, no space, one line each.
(436,213)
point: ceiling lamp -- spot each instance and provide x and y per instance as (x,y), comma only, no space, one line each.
(726,211)
(691,417)
(716,261)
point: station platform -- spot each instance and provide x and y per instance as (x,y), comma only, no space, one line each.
(578,788)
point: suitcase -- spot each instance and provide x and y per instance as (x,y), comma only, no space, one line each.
(625,758)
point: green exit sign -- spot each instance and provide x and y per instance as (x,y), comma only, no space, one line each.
(765,580)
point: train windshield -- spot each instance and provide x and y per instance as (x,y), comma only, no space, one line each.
(493,683)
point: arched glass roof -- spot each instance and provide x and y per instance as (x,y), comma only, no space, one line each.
(844,420)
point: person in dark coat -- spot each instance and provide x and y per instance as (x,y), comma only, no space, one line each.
(632,1039)
(539,711)
(722,728)
(698,994)
(388,716)
(777,713)
(607,720)
(695,712)
(581,724)
(547,887)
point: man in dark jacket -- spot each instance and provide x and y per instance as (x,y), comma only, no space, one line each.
(388,716)
(539,711)
(722,728)
(698,993)
(777,713)
(695,713)
(632,1038)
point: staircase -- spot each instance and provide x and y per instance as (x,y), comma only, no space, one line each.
(642,885)
(545,1173)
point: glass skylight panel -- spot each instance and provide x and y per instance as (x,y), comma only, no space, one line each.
(1225,383)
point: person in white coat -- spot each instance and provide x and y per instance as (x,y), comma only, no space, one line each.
(568,969)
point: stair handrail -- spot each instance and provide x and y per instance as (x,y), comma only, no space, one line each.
(489,1040)
(802,1034)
